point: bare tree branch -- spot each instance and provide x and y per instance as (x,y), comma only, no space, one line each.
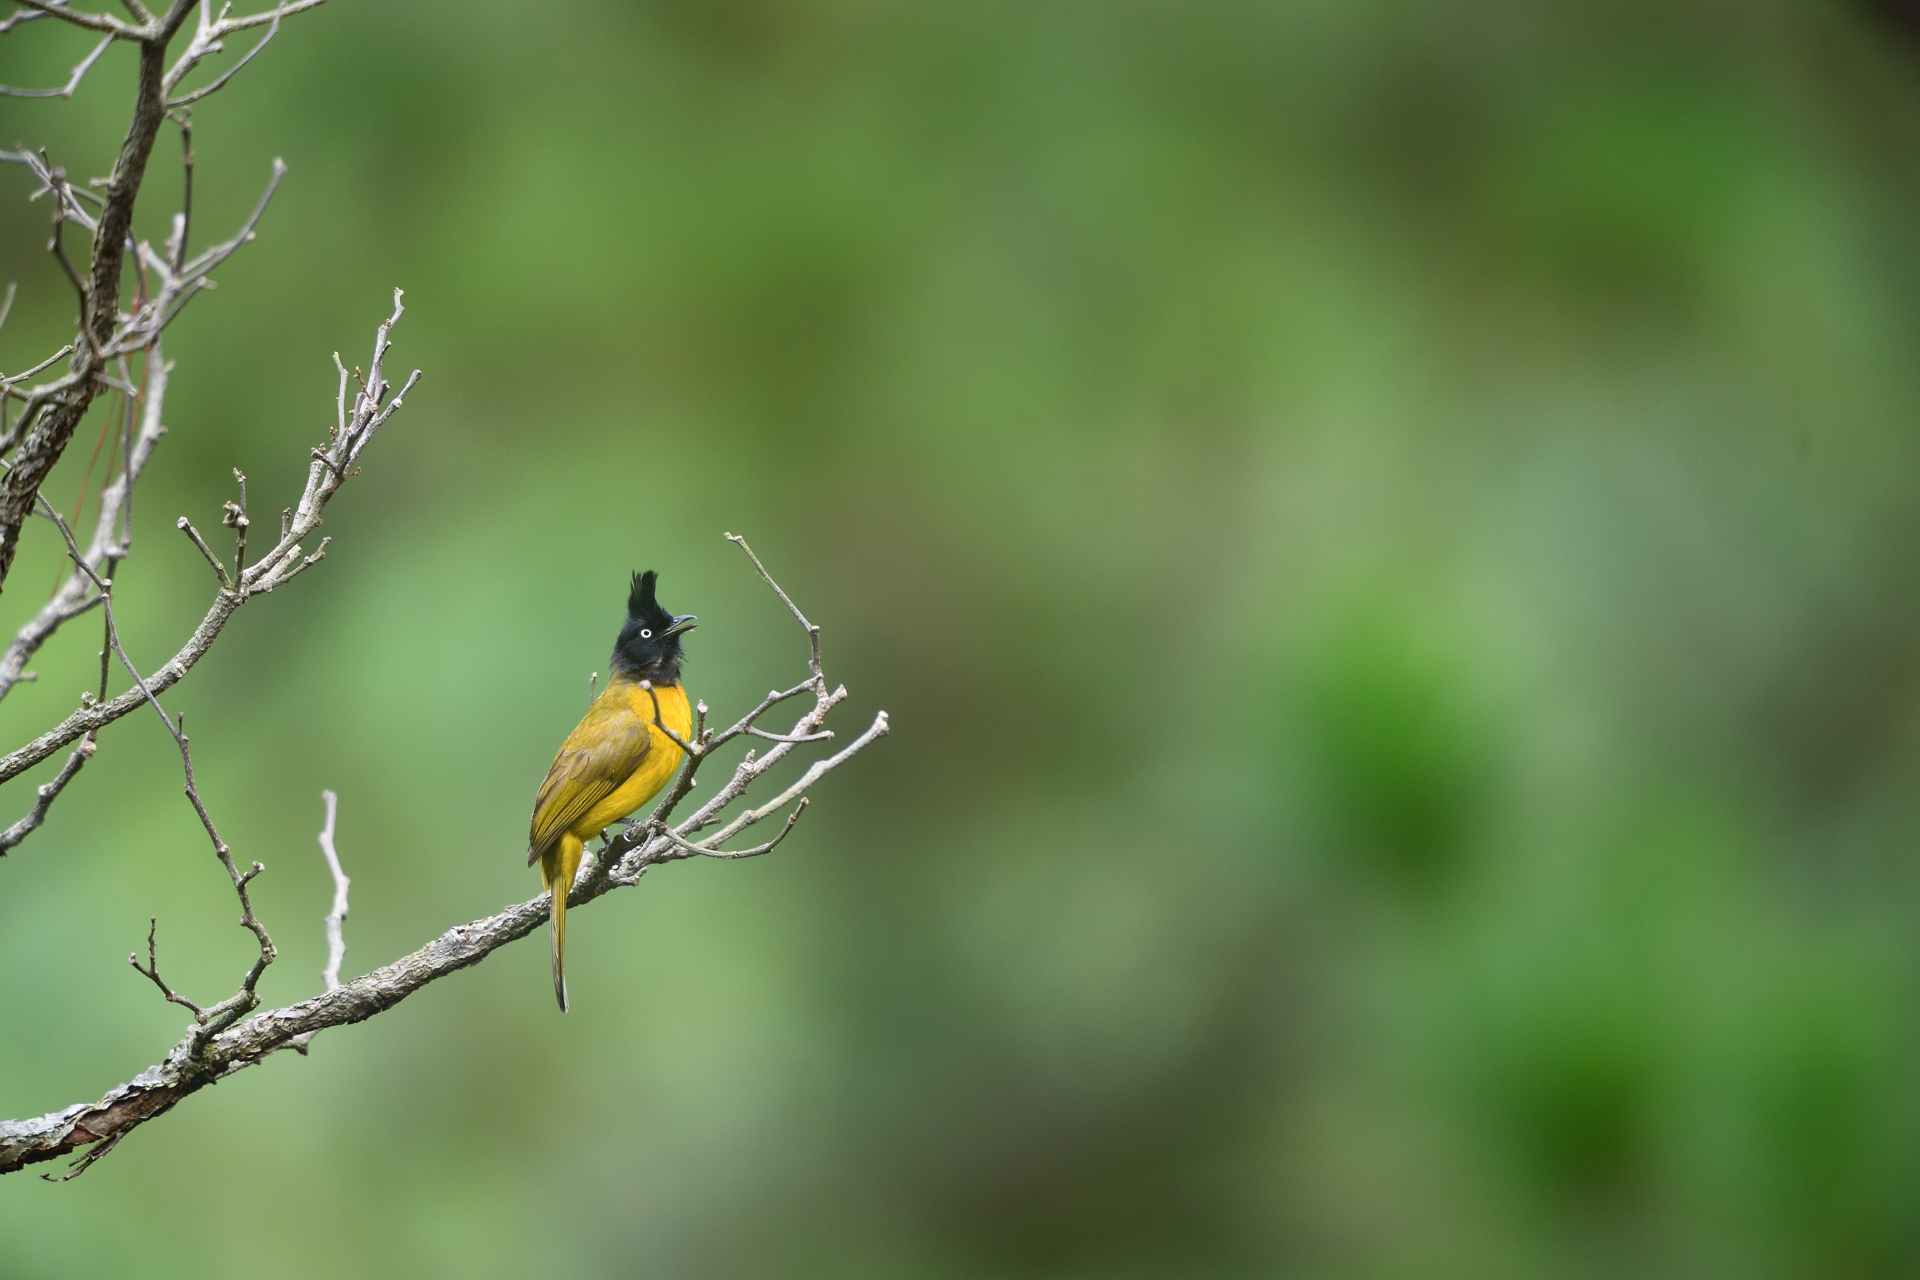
(286,560)
(244,1000)
(752,769)
(74,595)
(200,1060)
(47,424)
(180,285)
(137,332)
(45,434)
(208,37)
(219,82)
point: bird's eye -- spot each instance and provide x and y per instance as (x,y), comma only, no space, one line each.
(645,634)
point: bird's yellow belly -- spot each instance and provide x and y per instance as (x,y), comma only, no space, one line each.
(661,762)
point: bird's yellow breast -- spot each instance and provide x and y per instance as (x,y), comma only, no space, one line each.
(657,767)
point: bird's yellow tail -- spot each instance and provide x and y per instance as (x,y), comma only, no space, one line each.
(557,868)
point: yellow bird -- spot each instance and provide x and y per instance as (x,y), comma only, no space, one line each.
(617,758)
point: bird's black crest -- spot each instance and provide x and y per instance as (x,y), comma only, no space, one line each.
(648,646)
(640,601)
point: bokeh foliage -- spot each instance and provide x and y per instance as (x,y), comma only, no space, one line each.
(1385,533)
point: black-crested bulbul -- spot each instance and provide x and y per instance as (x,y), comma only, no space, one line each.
(616,759)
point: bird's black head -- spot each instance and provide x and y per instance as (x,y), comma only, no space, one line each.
(649,644)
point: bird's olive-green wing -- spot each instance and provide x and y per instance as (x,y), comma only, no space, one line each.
(602,752)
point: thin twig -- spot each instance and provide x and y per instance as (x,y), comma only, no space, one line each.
(234,517)
(813,632)
(207,259)
(9,383)
(193,535)
(824,735)
(45,795)
(271,15)
(773,699)
(106,647)
(208,38)
(815,771)
(220,82)
(337,914)
(152,974)
(73,81)
(20,17)
(340,403)
(689,848)
(660,724)
(80,18)
(243,1001)
(183,221)
(57,246)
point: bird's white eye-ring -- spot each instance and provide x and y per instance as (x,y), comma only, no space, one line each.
(645,634)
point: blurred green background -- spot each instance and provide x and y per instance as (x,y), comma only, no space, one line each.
(1387,534)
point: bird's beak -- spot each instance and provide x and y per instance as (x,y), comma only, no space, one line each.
(685,622)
